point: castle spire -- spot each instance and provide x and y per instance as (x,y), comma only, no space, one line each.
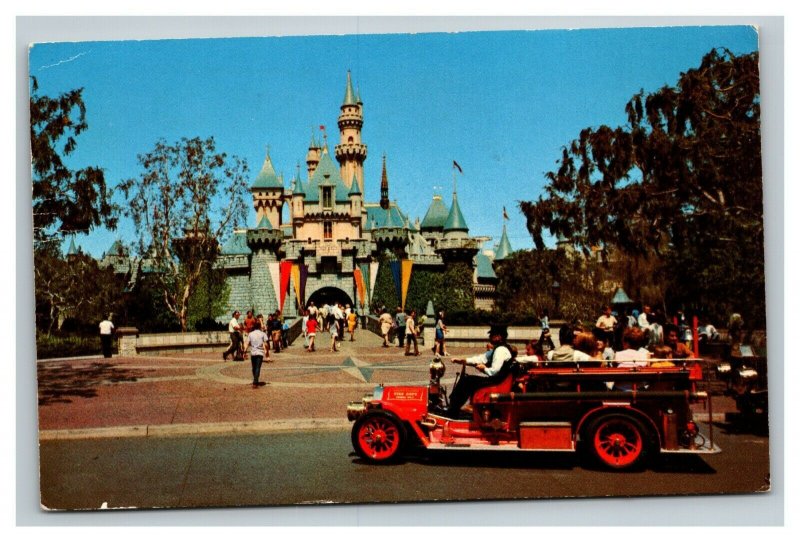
(349,95)
(384,186)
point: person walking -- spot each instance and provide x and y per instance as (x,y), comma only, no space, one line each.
(411,334)
(106,336)
(440,330)
(234,330)
(400,319)
(386,322)
(312,333)
(306,317)
(333,327)
(259,349)
(352,319)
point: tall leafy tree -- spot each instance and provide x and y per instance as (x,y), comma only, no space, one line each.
(75,287)
(64,200)
(186,199)
(681,182)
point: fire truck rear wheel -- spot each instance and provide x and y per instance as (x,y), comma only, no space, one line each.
(378,437)
(618,441)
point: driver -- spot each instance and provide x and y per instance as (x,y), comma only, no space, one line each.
(493,364)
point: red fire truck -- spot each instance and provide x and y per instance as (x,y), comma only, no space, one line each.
(617,417)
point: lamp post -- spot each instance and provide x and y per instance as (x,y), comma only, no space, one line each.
(557,295)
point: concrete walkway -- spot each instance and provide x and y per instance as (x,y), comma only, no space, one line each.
(151,396)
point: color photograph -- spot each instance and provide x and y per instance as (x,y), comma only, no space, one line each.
(394,267)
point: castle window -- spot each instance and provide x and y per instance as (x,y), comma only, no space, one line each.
(350,139)
(327,197)
(327,228)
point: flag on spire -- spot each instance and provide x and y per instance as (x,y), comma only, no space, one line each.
(505,214)
(455,165)
(322,127)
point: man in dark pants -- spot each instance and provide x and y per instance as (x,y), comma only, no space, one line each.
(400,318)
(236,338)
(494,364)
(106,336)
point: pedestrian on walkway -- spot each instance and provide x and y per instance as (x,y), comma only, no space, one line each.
(386,322)
(259,349)
(306,317)
(234,330)
(352,320)
(312,333)
(400,319)
(333,327)
(106,336)
(440,329)
(411,334)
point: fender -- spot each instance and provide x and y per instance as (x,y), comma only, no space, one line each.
(621,408)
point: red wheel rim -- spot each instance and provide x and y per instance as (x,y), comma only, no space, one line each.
(379,438)
(618,442)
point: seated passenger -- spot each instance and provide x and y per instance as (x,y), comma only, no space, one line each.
(679,349)
(605,352)
(632,355)
(530,353)
(565,351)
(496,369)
(662,356)
(585,346)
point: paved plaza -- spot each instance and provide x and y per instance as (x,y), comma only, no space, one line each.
(193,394)
(174,394)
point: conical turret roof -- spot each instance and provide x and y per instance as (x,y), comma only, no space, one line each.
(354,190)
(504,248)
(267,177)
(436,216)
(72,251)
(264,223)
(455,219)
(349,95)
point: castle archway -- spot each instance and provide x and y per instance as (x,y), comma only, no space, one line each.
(329,296)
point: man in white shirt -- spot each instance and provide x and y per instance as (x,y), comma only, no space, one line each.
(236,338)
(106,336)
(495,370)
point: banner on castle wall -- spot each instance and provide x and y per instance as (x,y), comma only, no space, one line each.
(395,267)
(303,281)
(296,284)
(275,274)
(286,274)
(365,278)
(373,275)
(360,287)
(406,266)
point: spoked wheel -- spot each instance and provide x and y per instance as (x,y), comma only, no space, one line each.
(377,437)
(618,441)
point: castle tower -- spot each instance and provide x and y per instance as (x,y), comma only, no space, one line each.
(384,186)
(350,152)
(504,248)
(312,157)
(267,191)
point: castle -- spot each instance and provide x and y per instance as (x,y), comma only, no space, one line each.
(332,234)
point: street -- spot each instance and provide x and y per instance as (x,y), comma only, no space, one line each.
(320,467)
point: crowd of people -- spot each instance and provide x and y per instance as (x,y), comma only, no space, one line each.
(635,339)
(405,327)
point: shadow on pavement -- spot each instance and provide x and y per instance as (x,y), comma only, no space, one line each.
(59,382)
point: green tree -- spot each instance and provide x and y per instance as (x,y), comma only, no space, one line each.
(680,183)
(74,288)
(526,279)
(64,200)
(185,200)
(209,299)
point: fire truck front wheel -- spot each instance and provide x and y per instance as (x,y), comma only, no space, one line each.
(618,441)
(378,437)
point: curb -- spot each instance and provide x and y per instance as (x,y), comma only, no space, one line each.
(197,429)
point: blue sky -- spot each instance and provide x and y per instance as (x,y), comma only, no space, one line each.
(502,104)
